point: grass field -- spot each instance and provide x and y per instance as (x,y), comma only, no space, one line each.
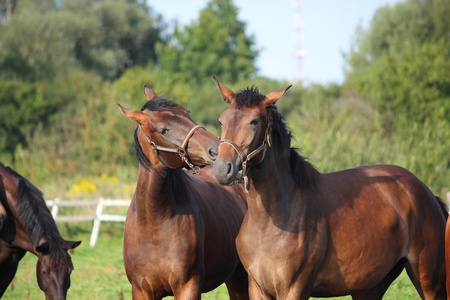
(99,271)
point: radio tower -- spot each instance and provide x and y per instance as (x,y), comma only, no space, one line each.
(299,52)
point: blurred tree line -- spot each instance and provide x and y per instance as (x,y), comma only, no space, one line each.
(65,64)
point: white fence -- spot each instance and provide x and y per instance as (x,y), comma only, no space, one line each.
(98,217)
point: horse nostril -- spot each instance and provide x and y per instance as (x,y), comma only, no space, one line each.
(229,169)
(212,153)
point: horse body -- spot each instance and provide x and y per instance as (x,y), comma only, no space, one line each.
(173,248)
(180,228)
(307,234)
(28,226)
(339,241)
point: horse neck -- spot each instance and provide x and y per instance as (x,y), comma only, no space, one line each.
(271,188)
(17,235)
(23,240)
(153,198)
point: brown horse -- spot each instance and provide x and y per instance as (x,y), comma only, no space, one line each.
(180,229)
(447,256)
(307,234)
(27,225)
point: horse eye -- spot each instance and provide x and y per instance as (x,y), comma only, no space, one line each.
(254,122)
(163,131)
(220,123)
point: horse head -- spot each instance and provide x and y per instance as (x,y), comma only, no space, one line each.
(168,131)
(54,267)
(246,131)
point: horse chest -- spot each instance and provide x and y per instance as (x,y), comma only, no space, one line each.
(275,259)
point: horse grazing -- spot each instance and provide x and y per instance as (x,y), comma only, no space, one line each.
(180,228)
(306,233)
(27,225)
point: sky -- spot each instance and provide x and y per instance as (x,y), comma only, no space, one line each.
(328,29)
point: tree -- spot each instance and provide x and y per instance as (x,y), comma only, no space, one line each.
(215,44)
(402,62)
(44,38)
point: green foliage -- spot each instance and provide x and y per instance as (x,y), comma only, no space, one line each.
(102,36)
(394,28)
(415,84)
(130,86)
(402,64)
(22,106)
(88,135)
(215,44)
(342,133)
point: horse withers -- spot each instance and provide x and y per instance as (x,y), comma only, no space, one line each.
(181,226)
(306,233)
(27,225)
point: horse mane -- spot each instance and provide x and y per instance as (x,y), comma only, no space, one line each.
(305,175)
(176,177)
(35,217)
(32,211)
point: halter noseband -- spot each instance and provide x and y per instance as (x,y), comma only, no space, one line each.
(245,158)
(181,150)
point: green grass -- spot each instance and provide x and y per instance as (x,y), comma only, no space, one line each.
(99,271)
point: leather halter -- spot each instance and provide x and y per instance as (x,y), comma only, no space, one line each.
(181,150)
(245,158)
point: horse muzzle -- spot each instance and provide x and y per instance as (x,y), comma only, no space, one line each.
(225,170)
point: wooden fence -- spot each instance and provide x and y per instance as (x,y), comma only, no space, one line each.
(98,217)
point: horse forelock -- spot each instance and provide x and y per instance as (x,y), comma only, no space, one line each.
(249,97)
(59,256)
(159,104)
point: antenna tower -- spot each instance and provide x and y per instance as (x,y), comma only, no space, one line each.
(299,52)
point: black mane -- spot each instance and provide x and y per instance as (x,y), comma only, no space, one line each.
(304,173)
(36,219)
(33,212)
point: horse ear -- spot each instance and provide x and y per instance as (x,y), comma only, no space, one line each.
(149,93)
(43,248)
(137,116)
(227,94)
(66,245)
(273,97)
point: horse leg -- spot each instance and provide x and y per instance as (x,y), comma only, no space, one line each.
(138,294)
(377,292)
(7,273)
(255,291)
(191,290)
(427,278)
(426,262)
(237,284)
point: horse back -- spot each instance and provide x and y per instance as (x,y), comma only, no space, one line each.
(390,184)
(373,208)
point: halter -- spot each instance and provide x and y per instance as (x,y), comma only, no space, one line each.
(181,150)
(245,158)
